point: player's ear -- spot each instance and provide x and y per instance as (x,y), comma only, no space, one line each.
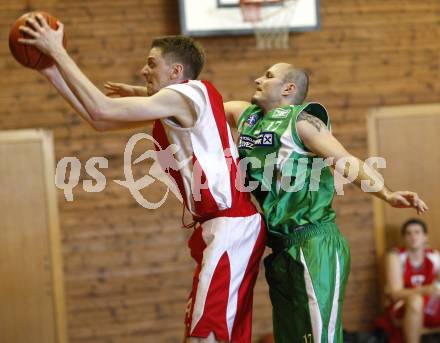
(289,89)
(176,71)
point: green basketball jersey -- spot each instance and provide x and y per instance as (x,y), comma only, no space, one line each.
(295,187)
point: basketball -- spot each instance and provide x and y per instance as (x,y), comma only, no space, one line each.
(26,55)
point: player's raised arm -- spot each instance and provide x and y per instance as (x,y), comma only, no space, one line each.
(166,103)
(55,78)
(319,140)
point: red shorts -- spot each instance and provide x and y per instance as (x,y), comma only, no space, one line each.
(431,311)
(228,251)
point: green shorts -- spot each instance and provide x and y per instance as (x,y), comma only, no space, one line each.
(307,274)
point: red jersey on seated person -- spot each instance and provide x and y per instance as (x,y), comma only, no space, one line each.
(420,275)
(413,276)
(423,274)
(202,160)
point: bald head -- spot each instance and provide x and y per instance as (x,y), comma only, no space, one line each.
(281,85)
(299,77)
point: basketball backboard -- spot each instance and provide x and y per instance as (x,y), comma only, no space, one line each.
(224,17)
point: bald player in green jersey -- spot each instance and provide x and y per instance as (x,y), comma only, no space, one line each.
(308,269)
(284,142)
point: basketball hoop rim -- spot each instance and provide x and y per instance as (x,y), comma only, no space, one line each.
(251,9)
(258,2)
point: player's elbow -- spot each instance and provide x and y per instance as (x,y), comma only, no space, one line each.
(101,110)
(99,127)
(97,114)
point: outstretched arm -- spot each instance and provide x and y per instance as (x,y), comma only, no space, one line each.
(164,104)
(233,109)
(123,89)
(55,78)
(319,140)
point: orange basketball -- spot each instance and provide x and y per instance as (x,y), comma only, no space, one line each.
(28,55)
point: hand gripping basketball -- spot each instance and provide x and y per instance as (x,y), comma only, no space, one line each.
(33,37)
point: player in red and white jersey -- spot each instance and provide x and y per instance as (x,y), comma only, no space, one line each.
(229,240)
(207,179)
(412,280)
(416,275)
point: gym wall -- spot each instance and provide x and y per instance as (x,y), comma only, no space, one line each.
(127,270)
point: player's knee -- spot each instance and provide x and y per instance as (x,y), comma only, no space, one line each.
(414,303)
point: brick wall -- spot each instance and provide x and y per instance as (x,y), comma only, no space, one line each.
(127,269)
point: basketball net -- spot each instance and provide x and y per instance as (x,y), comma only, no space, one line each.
(269,23)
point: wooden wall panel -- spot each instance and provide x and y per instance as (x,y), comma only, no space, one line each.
(369,53)
(407,137)
(31,273)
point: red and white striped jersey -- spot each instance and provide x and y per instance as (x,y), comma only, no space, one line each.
(204,164)
(423,274)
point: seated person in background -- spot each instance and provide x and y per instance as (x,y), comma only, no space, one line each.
(412,282)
